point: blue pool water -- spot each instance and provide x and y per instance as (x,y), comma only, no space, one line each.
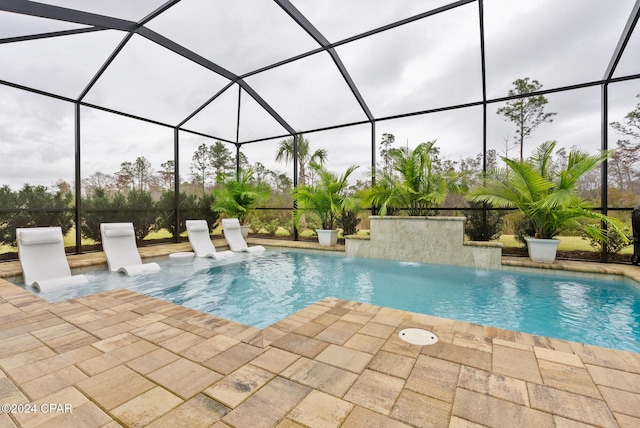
(259,291)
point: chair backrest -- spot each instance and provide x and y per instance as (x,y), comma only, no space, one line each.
(198,233)
(119,245)
(41,254)
(233,234)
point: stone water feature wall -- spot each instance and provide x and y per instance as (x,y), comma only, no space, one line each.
(437,240)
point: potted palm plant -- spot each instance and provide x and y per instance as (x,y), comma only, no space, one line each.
(548,197)
(325,199)
(238,196)
(414,183)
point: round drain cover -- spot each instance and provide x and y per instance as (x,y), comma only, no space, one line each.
(418,336)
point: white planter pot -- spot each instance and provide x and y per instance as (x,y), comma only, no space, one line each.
(327,238)
(542,250)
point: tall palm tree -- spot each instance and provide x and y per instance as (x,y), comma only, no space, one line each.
(305,156)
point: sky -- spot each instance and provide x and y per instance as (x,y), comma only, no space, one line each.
(428,64)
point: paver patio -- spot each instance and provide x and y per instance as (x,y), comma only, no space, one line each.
(120,358)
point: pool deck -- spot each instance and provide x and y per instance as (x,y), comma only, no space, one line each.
(120,358)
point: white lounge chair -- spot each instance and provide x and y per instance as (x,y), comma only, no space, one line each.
(119,245)
(233,235)
(44,263)
(198,232)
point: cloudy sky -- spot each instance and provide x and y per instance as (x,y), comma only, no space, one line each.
(428,64)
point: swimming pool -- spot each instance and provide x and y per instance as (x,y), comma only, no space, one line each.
(261,290)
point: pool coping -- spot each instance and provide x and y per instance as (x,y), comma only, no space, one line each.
(335,362)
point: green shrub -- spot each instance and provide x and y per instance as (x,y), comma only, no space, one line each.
(95,210)
(475,226)
(203,211)
(38,208)
(272,226)
(523,228)
(348,221)
(269,226)
(269,221)
(614,242)
(167,217)
(142,212)
(136,207)
(287,224)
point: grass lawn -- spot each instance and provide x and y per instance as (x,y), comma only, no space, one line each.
(567,243)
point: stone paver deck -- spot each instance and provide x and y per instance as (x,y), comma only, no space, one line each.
(120,358)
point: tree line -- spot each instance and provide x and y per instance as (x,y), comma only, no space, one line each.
(209,165)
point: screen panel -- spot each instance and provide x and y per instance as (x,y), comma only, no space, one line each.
(558,43)
(225,33)
(430,63)
(152,82)
(308,93)
(338,20)
(60,65)
(624,138)
(37,142)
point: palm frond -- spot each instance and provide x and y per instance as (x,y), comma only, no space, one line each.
(542,157)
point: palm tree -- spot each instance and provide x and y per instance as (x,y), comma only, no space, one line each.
(549,199)
(239,196)
(327,198)
(285,153)
(414,183)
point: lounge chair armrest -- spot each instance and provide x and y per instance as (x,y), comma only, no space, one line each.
(219,255)
(253,249)
(49,284)
(139,269)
